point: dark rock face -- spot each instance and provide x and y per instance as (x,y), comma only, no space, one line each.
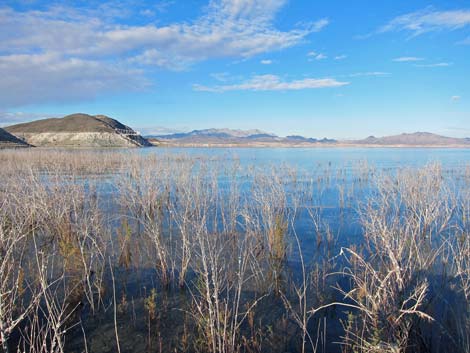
(9,140)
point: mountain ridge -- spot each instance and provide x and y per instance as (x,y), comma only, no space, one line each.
(226,136)
(418,138)
(230,137)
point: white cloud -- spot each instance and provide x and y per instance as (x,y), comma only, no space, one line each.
(106,53)
(428,20)
(38,78)
(455,98)
(266,62)
(371,73)
(317,26)
(240,28)
(161,6)
(407,59)
(442,64)
(317,56)
(247,9)
(273,83)
(153,57)
(11,118)
(221,76)
(340,57)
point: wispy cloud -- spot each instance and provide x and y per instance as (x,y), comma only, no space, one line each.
(317,56)
(371,73)
(228,29)
(441,64)
(221,76)
(455,98)
(273,83)
(466,41)
(266,62)
(403,59)
(110,56)
(11,118)
(318,25)
(340,57)
(428,20)
(417,59)
(154,57)
(39,78)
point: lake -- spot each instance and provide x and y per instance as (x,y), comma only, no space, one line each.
(307,158)
(242,249)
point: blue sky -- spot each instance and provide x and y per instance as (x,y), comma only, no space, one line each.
(340,69)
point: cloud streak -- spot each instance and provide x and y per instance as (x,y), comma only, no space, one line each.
(317,56)
(273,83)
(369,74)
(428,20)
(404,59)
(442,64)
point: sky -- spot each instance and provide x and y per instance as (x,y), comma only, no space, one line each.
(337,69)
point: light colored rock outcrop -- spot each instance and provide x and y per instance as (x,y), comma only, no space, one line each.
(78,139)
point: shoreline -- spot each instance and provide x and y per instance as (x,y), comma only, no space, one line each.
(319,145)
(233,145)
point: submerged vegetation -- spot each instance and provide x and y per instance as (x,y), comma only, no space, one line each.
(123,252)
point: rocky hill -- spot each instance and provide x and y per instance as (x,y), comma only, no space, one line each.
(78,130)
(8,140)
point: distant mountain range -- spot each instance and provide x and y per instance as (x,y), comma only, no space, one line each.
(83,130)
(223,137)
(413,139)
(228,137)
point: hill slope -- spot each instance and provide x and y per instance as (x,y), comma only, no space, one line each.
(9,140)
(413,139)
(78,130)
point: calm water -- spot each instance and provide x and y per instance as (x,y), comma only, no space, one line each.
(340,157)
(338,179)
(341,188)
(335,172)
